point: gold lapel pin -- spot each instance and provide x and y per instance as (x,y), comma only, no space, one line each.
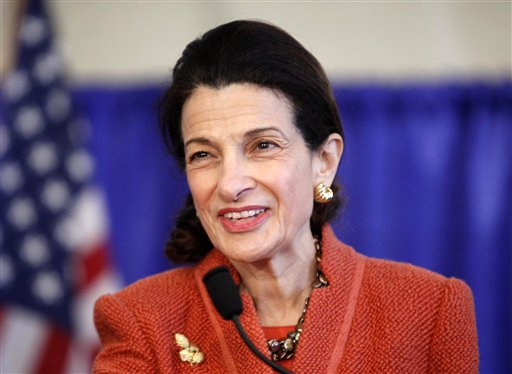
(190,352)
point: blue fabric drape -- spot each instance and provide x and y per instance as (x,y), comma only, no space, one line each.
(427,170)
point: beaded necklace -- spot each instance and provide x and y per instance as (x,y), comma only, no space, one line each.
(284,349)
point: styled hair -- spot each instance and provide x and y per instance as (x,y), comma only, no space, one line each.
(256,53)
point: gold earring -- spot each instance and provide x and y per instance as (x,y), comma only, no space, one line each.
(323,194)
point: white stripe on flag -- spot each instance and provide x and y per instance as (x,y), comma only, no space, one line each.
(83,307)
(86,339)
(79,361)
(23,336)
(86,223)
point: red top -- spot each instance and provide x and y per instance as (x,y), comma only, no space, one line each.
(376,316)
(279,332)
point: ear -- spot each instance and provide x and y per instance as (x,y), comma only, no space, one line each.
(326,160)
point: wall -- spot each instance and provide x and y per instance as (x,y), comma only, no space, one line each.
(140,40)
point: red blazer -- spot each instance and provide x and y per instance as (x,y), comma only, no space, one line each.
(376,316)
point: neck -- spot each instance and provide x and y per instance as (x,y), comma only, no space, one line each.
(280,285)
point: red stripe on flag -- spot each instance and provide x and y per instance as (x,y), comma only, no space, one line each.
(54,352)
(1,318)
(91,264)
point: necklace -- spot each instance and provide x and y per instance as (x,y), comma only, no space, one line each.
(284,349)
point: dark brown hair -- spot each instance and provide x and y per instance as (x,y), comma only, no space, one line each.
(257,53)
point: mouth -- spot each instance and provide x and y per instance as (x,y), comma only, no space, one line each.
(243,214)
(244,219)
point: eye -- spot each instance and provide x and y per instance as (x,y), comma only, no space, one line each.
(198,155)
(264,144)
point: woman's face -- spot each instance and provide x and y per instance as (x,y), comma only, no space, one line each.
(249,170)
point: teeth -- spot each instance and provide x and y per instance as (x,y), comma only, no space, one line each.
(243,214)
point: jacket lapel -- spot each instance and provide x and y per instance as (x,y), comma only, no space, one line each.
(331,309)
(237,357)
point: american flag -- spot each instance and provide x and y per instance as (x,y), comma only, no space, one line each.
(53,237)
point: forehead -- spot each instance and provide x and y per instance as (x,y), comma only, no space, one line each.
(235,108)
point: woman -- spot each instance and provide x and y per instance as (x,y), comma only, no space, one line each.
(251,118)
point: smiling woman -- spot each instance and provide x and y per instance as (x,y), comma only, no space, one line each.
(251,118)
(251,173)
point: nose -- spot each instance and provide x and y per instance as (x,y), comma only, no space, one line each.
(235,179)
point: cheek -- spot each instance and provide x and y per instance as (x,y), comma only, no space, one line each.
(201,197)
(200,186)
(293,186)
(299,196)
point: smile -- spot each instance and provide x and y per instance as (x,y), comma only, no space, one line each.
(243,214)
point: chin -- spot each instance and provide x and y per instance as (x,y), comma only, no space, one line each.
(247,254)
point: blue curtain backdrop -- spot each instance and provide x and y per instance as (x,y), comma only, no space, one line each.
(427,171)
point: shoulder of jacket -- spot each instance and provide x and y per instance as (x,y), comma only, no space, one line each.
(165,286)
(413,295)
(403,282)
(402,272)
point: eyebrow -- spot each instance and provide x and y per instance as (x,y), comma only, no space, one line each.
(248,134)
(201,140)
(252,133)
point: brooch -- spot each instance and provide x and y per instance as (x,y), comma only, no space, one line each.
(190,352)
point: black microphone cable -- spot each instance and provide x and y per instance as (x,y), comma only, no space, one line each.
(226,299)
